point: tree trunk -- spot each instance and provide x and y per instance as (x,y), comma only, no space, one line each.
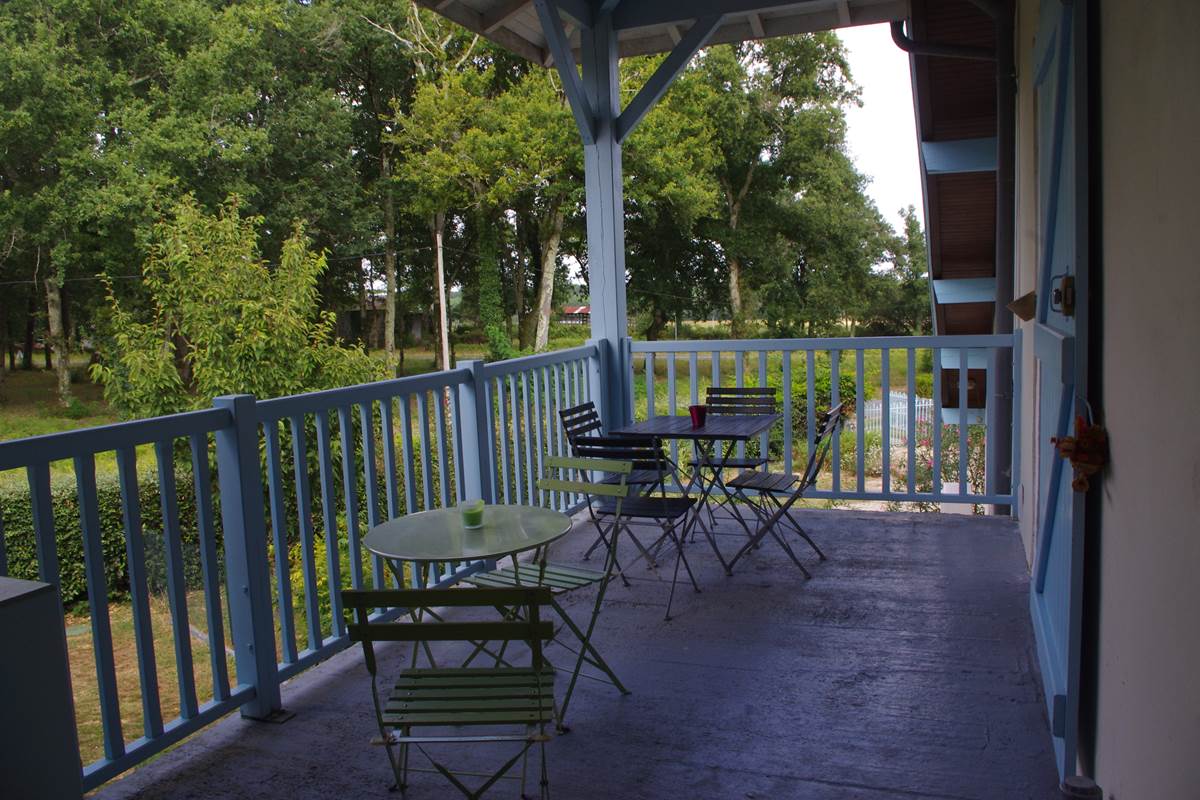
(439,223)
(389,263)
(658,323)
(58,338)
(27,351)
(736,307)
(546,283)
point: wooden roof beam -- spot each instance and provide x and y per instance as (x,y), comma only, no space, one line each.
(472,20)
(501,14)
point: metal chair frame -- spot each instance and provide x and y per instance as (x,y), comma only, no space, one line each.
(437,698)
(769,486)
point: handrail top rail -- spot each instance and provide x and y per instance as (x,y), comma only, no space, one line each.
(63,445)
(511,366)
(277,408)
(1001,340)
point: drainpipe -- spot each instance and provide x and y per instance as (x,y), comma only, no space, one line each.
(1006,127)
(939,50)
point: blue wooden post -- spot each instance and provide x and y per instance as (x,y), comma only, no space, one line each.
(599,375)
(606,212)
(478,475)
(248,576)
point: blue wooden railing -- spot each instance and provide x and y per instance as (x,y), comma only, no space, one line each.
(298,481)
(911,471)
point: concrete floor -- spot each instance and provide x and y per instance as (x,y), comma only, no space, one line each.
(904,668)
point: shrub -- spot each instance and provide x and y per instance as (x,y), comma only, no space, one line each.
(21,544)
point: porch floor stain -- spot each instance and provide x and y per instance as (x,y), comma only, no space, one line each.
(904,668)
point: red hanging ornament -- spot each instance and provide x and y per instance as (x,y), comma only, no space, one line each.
(1087,451)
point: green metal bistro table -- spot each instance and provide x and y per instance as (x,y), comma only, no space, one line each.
(439,536)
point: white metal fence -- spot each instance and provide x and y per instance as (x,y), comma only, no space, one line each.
(872,418)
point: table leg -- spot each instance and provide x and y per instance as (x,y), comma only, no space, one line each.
(397,570)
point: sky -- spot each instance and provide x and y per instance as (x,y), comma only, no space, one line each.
(882,135)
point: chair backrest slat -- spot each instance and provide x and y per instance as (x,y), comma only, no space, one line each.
(580,421)
(643,452)
(830,427)
(750,400)
(450,631)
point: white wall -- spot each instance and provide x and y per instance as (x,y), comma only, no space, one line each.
(1148,693)
(1147,647)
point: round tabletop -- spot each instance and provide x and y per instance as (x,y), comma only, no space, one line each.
(439,535)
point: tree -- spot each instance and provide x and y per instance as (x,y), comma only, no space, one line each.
(220,320)
(897,301)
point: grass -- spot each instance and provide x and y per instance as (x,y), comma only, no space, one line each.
(129,689)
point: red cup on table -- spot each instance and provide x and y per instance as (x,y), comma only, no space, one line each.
(698,414)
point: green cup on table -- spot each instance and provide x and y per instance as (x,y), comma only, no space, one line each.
(472,514)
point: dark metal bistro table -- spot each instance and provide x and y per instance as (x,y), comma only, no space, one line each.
(728,428)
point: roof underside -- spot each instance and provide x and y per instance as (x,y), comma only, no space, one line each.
(645,27)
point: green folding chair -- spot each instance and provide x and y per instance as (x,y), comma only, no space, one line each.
(464,699)
(560,578)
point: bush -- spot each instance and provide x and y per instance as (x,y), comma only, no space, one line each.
(21,544)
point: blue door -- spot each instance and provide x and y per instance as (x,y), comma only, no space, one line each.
(1060,360)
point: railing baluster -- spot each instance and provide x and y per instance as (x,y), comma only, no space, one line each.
(835,397)
(426,454)
(371,477)
(694,389)
(3,551)
(388,436)
(333,549)
(810,401)
(859,423)
(514,401)
(541,430)
(989,420)
(650,388)
(407,458)
(964,405)
(764,443)
(308,561)
(97,591)
(885,394)
(553,433)
(937,421)
(42,508)
(176,584)
(350,495)
(718,446)
(739,380)
(502,399)
(210,568)
(912,418)
(439,404)
(672,402)
(456,431)
(279,539)
(135,552)
(786,380)
(530,478)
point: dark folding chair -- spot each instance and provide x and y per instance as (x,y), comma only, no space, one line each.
(649,461)
(772,512)
(467,701)
(581,423)
(724,400)
(670,516)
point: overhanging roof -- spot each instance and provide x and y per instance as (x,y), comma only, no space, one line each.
(649,26)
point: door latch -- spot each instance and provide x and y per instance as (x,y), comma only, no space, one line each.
(1062,295)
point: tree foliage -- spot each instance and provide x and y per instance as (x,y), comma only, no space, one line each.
(221,321)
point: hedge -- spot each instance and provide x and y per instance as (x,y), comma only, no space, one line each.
(21,545)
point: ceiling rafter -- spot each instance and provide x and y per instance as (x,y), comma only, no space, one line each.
(472,20)
(756,25)
(498,16)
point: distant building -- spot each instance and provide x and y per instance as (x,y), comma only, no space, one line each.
(576,315)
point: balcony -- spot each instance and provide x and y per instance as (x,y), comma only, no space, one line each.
(902,666)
